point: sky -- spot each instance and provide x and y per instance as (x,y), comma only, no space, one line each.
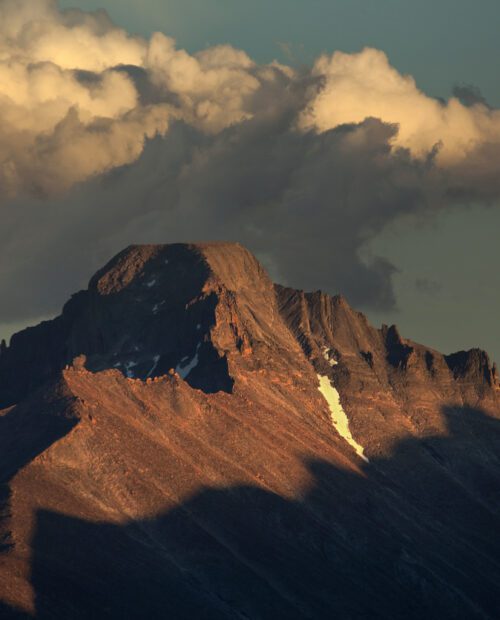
(354,146)
(440,43)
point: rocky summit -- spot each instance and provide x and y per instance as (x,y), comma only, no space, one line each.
(188,440)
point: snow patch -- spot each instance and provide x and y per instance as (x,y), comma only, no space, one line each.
(198,327)
(128,369)
(151,283)
(157,306)
(156,359)
(339,418)
(183,370)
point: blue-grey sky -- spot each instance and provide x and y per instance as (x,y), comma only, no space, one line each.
(79,188)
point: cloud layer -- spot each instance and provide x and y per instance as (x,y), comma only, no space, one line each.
(108,139)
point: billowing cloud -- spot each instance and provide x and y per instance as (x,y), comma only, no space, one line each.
(108,139)
(71,104)
(360,85)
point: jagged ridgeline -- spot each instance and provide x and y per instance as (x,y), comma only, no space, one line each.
(190,440)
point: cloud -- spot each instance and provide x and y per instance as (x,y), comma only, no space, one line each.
(71,105)
(305,203)
(108,139)
(360,85)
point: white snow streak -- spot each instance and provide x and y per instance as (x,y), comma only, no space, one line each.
(184,369)
(156,307)
(339,418)
(128,369)
(156,359)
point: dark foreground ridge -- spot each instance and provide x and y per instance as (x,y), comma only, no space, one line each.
(166,452)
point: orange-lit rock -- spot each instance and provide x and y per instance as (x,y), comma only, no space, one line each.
(165,452)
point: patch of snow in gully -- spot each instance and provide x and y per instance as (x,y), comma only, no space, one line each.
(128,369)
(156,359)
(184,369)
(157,306)
(151,283)
(339,418)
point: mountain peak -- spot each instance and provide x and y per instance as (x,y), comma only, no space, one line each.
(194,309)
(230,264)
(209,312)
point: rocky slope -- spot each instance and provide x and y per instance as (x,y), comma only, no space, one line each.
(188,440)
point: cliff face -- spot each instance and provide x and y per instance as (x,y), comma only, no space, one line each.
(388,384)
(156,308)
(188,440)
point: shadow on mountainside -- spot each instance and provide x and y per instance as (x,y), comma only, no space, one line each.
(415,537)
(26,430)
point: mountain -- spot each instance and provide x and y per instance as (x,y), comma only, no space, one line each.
(188,440)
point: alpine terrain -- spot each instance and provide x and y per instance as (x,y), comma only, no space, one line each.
(188,440)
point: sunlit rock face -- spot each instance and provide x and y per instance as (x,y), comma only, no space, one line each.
(152,309)
(189,440)
(390,386)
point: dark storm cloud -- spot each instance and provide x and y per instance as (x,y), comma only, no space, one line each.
(305,203)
